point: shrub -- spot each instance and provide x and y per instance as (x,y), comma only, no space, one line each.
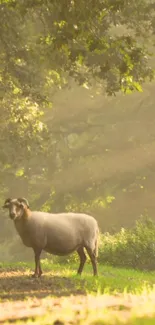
(130,248)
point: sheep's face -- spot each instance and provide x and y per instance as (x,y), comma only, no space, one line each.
(15,207)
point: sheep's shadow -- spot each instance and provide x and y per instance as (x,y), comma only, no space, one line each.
(19,287)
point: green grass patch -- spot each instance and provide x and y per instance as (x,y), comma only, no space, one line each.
(60,296)
(110,280)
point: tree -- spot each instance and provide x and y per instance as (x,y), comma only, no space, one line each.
(103,45)
(45,42)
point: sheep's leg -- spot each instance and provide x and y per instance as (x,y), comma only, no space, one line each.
(82,256)
(38,271)
(93,259)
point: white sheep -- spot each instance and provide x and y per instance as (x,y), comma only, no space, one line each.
(58,234)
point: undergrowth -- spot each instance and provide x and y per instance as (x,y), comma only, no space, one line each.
(129,248)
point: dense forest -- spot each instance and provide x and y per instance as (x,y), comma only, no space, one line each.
(77,109)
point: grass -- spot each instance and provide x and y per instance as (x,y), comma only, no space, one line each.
(60,297)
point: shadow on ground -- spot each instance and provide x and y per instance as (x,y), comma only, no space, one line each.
(17,286)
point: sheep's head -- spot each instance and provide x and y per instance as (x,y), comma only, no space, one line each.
(16,207)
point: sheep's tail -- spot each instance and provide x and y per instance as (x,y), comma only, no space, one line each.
(96,243)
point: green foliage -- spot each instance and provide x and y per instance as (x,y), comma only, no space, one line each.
(74,39)
(129,248)
(134,248)
(44,47)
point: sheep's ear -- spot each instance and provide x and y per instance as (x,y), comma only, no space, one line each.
(7,203)
(23,200)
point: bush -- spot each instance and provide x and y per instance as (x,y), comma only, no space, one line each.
(134,248)
(130,248)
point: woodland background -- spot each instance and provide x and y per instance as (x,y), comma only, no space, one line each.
(77,117)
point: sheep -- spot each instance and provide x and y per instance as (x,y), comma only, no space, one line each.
(58,234)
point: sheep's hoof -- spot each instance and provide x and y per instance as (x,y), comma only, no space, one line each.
(39,275)
(34,275)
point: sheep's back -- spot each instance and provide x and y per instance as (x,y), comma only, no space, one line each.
(62,233)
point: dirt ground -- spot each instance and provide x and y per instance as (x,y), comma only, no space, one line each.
(18,285)
(23,298)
